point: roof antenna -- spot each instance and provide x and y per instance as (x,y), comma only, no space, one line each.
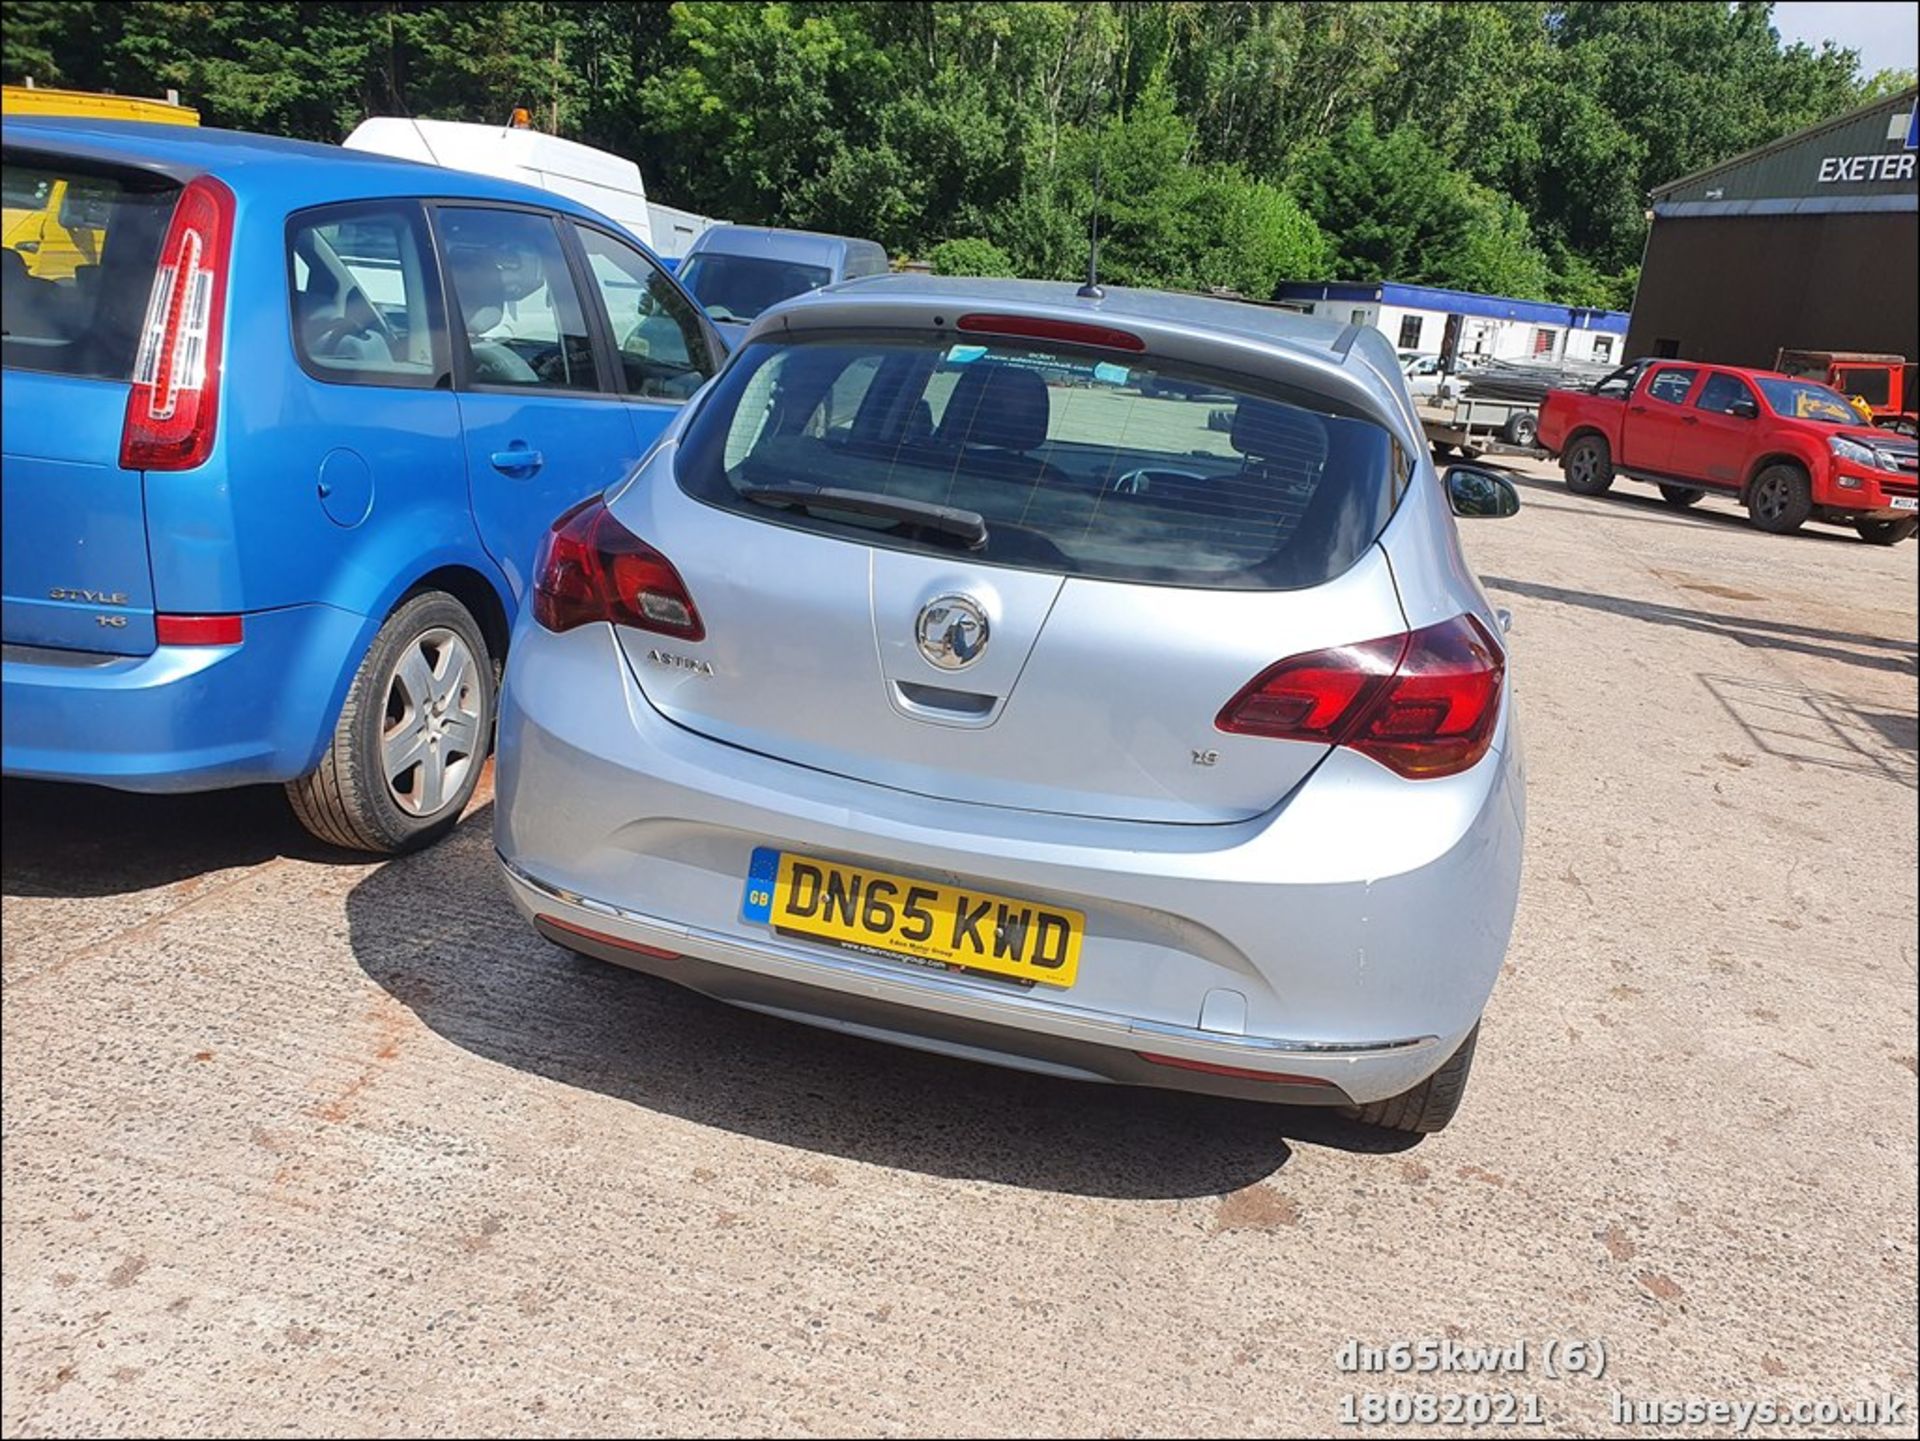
(1091,290)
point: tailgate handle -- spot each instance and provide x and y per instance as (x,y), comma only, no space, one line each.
(517,460)
(958,704)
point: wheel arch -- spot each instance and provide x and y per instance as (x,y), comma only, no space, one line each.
(1773,457)
(473,590)
(480,589)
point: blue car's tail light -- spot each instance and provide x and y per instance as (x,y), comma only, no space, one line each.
(172,405)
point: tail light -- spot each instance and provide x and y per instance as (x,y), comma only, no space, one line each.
(593,568)
(176,373)
(1423,705)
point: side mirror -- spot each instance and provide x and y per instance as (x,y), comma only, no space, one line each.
(1475,493)
(1745,407)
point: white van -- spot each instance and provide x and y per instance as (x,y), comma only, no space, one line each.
(608,183)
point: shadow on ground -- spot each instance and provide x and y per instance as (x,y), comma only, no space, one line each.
(72,841)
(1628,501)
(1871,652)
(1810,727)
(438,933)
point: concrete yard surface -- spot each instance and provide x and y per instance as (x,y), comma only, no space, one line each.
(294,1142)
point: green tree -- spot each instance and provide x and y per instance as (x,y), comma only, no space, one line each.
(969,255)
(1394,210)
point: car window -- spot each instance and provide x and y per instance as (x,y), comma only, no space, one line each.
(1078,463)
(77,258)
(1671,385)
(663,348)
(366,298)
(518,312)
(1806,400)
(739,287)
(1721,392)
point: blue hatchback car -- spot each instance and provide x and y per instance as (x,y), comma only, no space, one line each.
(281,436)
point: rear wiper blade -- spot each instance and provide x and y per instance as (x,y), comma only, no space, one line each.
(967,525)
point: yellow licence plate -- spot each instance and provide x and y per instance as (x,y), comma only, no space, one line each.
(915,920)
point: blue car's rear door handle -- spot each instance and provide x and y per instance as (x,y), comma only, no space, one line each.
(517,460)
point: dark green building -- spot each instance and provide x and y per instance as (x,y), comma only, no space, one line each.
(1810,243)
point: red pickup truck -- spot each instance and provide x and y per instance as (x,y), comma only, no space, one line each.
(1789,449)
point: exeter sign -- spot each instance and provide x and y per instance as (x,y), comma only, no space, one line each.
(1858,169)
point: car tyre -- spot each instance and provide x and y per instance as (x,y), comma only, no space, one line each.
(1780,499)
(1429,1106)
(1522,428)
(1681,496)
(1887,532)
(1588,465)
(412,736)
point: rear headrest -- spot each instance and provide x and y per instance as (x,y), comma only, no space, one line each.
(996,405)
(1268,430)
(477,284)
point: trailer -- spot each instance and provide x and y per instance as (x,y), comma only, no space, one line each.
(1476,427)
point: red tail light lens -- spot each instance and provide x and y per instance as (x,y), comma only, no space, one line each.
(1423,705)
(593,568)
(176,373)
(1069,332)
(199,629)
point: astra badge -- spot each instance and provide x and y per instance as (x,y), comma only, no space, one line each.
(952,631)
(679,662)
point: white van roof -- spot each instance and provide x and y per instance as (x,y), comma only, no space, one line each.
(461,145)
(607,182)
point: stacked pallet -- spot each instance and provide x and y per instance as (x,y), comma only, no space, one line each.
(1524,382)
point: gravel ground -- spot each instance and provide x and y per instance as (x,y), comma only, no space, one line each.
(301,1144)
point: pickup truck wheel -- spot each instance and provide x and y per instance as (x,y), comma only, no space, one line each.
(1588,464)
(1887,532)
(1431,1104)
(1681,496)
(412,737)
(1781,499)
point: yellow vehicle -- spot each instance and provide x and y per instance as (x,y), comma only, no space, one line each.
(50,223)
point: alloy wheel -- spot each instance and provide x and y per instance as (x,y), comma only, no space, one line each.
(1770,498)
(431,737)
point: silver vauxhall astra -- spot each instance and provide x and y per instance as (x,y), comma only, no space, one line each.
(1089,683)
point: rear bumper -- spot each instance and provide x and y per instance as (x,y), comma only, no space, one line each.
(871,999)
(183,718)
(1351,936)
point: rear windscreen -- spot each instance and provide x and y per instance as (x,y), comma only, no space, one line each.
(739,287)
(77,253)
(1077,462)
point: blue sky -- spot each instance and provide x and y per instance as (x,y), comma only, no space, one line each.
(1885,32)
